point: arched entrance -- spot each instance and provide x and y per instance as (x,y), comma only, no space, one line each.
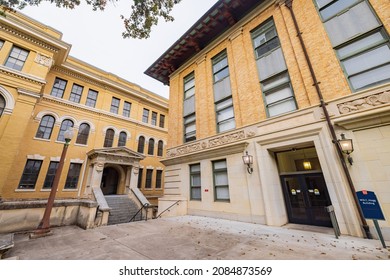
(110,178)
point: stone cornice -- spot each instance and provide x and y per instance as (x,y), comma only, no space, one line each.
(8,29)
(363,103)
(20,75)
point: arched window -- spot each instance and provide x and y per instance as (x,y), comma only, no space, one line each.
(82,136)
(2,105)
(109,140)
(45,127)
(141,144)
(64,126)
(151,146)
(160,148)
(122,139)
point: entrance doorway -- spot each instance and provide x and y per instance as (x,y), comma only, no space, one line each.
(306,197)
(109,184)
(304,188)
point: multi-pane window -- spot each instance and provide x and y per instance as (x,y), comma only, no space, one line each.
(82,136)
(45,127)
(73,176)
(195,182)
(275,82)
(148,181)
(141,144)
(122,139)
(221,183)
(160,148)
(359,39)
(2,104)
(115,105)
(109,138)
(51,172)
(189,120)
(16,58)
(91,98)
(140,174)
(154,118)
(58,88)
(151,146)
(158,179)
(75,94)
(30,174)
(126,109)
(223,94)
(162,121)
(145,116)
(1,43)
(64,127)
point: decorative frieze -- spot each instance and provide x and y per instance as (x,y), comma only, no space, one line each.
(364,103)
(44,60)
(210,143)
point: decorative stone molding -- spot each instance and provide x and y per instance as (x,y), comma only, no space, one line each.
(99,166)
(36,157)
(44,60)
(210,143)
(364,103)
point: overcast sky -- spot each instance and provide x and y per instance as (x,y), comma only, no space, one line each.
(96,37)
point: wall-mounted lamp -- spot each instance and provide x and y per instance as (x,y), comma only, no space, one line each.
(346,146)
(306,162)
(248,160)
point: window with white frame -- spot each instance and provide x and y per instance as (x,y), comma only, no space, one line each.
(17,58)
(195,182)
(359,39)
(223,94)
(274,79)
(189,108)
(221,182)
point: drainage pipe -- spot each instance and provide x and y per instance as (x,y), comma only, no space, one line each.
(329,122)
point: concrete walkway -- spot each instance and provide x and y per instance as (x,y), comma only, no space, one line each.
(195,238)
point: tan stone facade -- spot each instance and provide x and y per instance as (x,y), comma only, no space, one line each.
(270,194)
(53,89)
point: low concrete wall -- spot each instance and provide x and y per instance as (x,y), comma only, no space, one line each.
(18,216)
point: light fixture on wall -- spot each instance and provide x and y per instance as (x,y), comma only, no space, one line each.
(248,160)
(306,162)
(346,146)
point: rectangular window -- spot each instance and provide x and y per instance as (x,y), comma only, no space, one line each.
(91,98)
(126,109)
(275,82)
(73,176)
(30,174)
(51,172)
(16,58)
(195,182)
(58,88)
(189,108)
(222,94)
(359,39)
(148,182)
(140,173)
(1,43)
(162,121)
(221,183)
(159,179)
(76,92)
(145,116)
(154,118)
(115,105)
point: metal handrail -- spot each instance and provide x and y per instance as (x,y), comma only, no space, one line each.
(144,206)
(168,209)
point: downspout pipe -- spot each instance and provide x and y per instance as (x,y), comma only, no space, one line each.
(366,229)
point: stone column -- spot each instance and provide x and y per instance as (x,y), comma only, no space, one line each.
(97,174)
(133,177)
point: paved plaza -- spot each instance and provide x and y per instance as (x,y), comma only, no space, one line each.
(195,238)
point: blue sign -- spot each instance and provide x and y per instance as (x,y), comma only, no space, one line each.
(370,205)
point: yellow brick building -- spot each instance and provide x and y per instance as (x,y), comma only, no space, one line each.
(120,131)
(281,82)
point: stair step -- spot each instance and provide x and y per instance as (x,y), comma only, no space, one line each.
(122,209)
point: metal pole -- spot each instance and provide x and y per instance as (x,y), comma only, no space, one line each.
(43,228)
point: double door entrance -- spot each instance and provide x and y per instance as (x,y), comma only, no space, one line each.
(306,197)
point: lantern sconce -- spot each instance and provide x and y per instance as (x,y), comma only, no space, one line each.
(248,161)
(346,146)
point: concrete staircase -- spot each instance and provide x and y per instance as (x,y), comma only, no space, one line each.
(122,209)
